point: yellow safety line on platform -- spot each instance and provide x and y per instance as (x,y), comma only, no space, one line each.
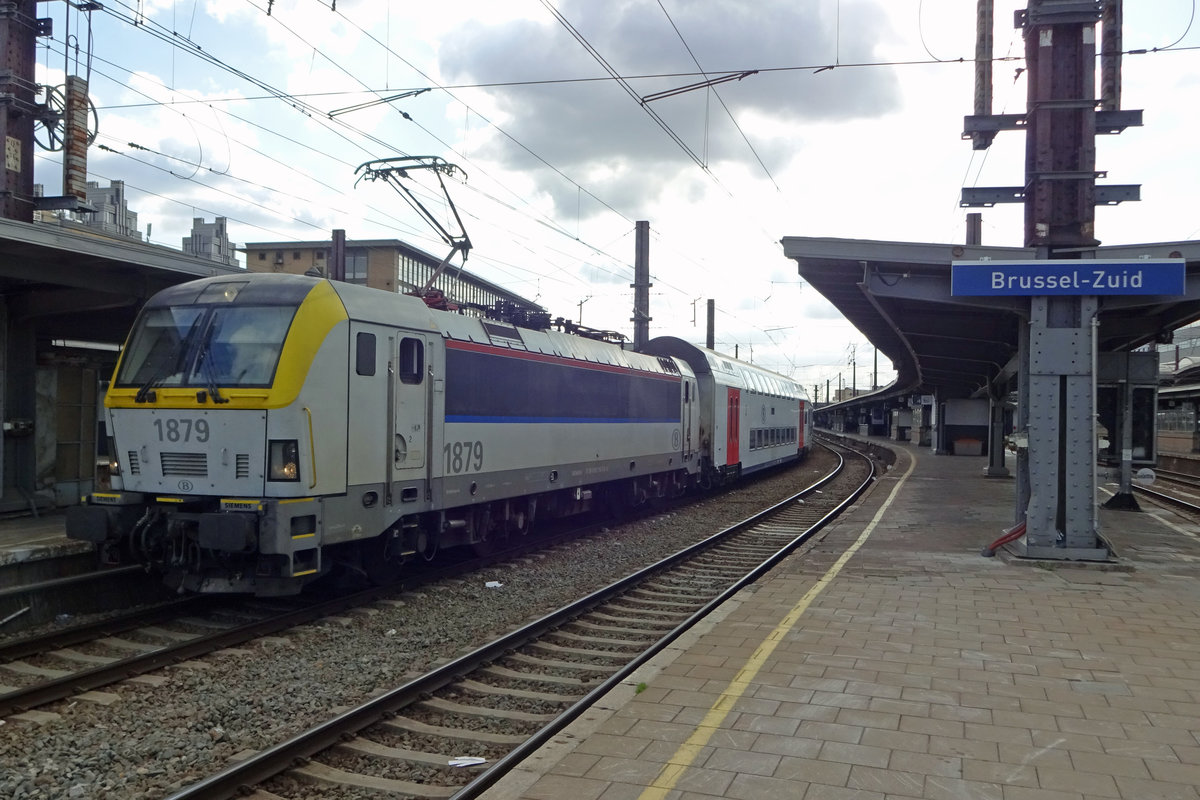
(674,769)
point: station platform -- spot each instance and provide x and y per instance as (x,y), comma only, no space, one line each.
(27,539)
(890,659)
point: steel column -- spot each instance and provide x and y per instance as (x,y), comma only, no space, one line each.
(18,53)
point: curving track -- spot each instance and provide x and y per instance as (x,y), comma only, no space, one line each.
(500,702)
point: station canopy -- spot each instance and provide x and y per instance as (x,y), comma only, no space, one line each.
(898,295)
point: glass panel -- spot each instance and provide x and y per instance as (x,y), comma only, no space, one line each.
(156,352)
(242,346)
(364,354)
(206,345)
(412,360)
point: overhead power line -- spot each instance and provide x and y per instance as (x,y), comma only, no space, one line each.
(721,100)
(624,84)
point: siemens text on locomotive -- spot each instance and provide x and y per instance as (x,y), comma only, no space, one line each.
(265,427)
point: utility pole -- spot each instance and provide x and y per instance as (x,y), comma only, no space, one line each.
(581,302)
(710,339)
(853,371)
(641,285)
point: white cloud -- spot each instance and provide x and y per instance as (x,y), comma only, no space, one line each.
(856,151)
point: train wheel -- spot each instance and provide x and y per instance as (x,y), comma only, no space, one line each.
(381,559)
(487,538)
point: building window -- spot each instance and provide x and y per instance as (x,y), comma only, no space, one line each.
(262,256)
(356,265)
(295,255)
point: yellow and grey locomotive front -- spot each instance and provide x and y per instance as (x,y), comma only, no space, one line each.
(226,430)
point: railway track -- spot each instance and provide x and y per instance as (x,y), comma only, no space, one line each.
(457,729)
(27,602)
(1181,479)
(1171,499)
(62,663)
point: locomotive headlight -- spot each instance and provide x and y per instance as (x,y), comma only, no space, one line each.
(114,463)
(283,460)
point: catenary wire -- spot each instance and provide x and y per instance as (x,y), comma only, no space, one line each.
(720,99)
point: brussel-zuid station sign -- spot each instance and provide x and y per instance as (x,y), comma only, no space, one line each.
(1159,276)
(1057,387)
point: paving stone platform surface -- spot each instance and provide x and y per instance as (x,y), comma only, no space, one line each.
(903,664)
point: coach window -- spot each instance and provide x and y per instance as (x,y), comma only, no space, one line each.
(364,354)
(412,360)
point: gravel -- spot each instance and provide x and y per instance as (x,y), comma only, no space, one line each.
(190,720)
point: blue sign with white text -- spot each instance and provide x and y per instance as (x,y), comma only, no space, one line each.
(1161,276)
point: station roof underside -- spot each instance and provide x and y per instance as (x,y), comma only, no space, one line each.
(84,286)
(898,295)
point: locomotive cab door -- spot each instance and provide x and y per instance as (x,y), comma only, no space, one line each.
(409,428)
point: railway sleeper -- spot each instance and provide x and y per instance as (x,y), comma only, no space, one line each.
(77,657)
(764,529)
(674,593)
(638,597)
(323,775)
(711,569)
(24,668)
(484,688)
(651,625)
(450,707)
(751,554)
(171,636)
(117,643)
(687,588)
(214,625)
(549,663)
(577,651)
(743,554)
(623,630)
(504,673)
(365,747)
(601,641)
(406,725)
(739,560)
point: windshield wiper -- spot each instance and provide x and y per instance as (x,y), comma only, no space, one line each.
(169,365)
(203,360)
(210,378)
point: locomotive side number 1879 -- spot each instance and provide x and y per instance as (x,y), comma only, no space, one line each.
(463,457)
(181,430)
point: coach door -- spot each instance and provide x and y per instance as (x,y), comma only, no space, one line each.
(409,388)
(733,425)
(689,397)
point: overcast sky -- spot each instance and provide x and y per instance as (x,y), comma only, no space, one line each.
(213,108)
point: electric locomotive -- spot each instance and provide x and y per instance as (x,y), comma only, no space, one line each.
(264,427)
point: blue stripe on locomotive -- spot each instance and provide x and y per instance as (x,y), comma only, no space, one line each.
(482,387)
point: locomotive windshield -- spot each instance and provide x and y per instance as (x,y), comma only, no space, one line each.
(205,346)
